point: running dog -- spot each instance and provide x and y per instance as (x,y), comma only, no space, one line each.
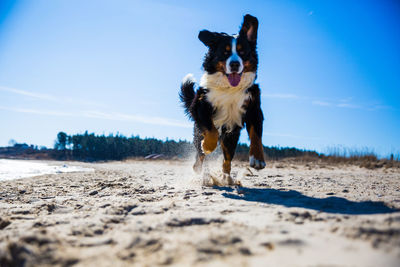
(227,97)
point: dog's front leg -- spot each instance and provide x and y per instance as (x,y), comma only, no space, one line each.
(254,124)
(228,144)
(256,154)
(202,112)
(254,129)
(210,140)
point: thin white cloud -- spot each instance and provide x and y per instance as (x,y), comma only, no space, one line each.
(27,93)
(290,136)
(285,96)
(321,103)
(349,105)
(38,112)
(341,103)
(50,98)
(346,100)
(115,116)
(379,107)
(135,118)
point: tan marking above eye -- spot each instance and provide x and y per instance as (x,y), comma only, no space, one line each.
(238,47)
(228,48)
(220,66)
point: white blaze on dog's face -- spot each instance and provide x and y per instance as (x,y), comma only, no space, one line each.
(231,61)
(234,65)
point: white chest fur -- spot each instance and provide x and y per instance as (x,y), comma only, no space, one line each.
(227,100)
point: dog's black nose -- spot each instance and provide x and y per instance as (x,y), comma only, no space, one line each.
(234,66)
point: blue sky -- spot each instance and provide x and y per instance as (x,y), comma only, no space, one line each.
(329,70)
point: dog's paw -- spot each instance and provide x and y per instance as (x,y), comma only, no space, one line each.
(227,179)
(210,180)
(207,181)
(197,168)
(256,163)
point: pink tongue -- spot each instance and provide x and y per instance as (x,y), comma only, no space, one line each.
(234,79)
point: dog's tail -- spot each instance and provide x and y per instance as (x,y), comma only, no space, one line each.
(187,93)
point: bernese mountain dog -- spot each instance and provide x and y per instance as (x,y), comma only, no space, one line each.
(227,97)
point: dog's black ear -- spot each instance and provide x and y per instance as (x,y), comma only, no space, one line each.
(208,38)
(249,28)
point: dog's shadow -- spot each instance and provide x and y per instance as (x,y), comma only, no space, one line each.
(293,198)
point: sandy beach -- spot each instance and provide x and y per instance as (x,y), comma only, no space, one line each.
(150,213)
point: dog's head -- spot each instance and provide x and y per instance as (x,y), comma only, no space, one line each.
(233,58)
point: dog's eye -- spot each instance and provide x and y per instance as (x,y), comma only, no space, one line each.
(226,53)
(241,53)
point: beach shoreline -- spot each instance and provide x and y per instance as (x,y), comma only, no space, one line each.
(11,169)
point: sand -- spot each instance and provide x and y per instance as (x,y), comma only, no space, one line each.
(150,213)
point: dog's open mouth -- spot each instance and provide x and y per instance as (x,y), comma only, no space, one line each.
(234,78)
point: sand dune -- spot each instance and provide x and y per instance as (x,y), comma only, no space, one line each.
(147,213)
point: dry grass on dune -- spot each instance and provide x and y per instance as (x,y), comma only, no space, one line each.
(368,162)
(337,156)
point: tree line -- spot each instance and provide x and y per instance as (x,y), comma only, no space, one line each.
(91,147)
